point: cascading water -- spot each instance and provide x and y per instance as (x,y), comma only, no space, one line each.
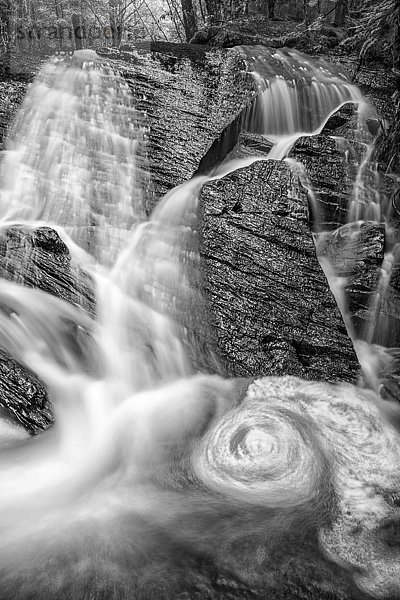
(341,248)
(153,470)
(297,97)
(85,170)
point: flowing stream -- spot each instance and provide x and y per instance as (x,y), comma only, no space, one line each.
(154,467)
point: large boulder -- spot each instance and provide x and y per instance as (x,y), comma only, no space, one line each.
(272,308)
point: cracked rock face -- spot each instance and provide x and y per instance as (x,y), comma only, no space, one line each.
(271,309)
(188,95)
(38,259)
(271,304)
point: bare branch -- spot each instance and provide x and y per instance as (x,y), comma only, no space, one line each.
(154,19)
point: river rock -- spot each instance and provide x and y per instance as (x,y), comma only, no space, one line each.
(39,259)
(23,398)
(269,299)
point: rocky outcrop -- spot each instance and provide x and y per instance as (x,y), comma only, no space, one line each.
(271,309)
(39,259)
(188,95)
(23,398)
(271,304)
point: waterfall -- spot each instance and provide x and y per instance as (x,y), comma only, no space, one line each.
(296,96)
(76,156)
(155,467)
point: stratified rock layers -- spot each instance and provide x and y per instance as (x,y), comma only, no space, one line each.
(270,306)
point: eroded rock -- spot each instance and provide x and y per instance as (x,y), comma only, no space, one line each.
(271,304)
(37,258)
(189,95)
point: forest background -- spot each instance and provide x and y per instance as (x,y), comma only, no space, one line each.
(366,30)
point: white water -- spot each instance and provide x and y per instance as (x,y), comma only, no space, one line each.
(149,460)
(368,205)
(296,97)
(75,158)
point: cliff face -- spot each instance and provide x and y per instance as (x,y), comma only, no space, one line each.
(269,298)
(272,311)
(270,306)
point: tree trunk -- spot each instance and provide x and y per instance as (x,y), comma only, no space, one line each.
(263,7)
(78,30)
(310,11)
(60,14)
(36,30)
(271,9)
(396,53)
(341,12)
(214,11)
(116,24)
(233,9)
(189,18)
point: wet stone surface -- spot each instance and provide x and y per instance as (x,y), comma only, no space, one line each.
(38,259)
(23,396)
(188,94)
(270,301)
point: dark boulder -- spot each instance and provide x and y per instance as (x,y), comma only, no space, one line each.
(23,396)
(39,259)
(271,304)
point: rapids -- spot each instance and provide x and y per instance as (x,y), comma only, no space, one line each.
(157,476)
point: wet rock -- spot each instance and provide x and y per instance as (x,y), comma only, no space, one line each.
(23,397)
(37,258)
(355,252)
(271,305)
(326,179)
(368,277)
(189,95)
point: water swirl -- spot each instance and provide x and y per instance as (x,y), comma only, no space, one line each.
(264,452)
